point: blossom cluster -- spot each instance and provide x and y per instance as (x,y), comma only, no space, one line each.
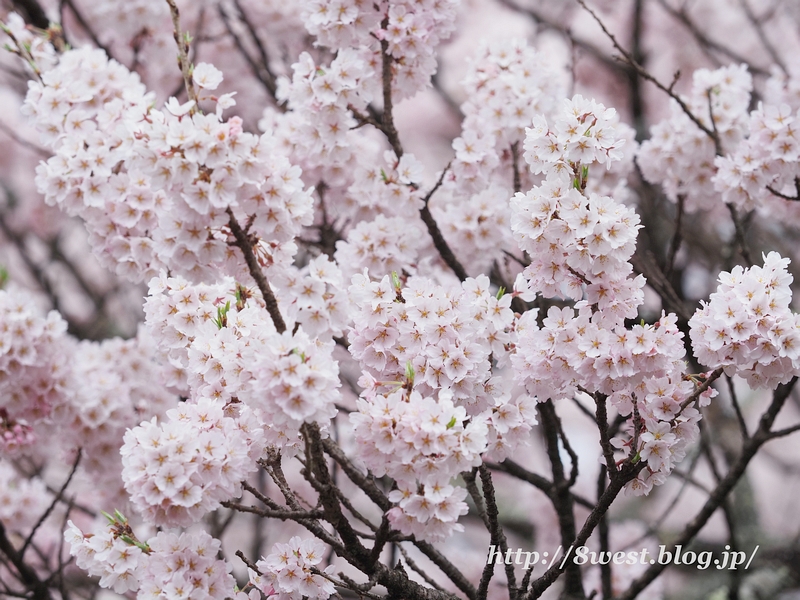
(443,409)
(763,165)
(317,132)
(422,443)
(381,246)
(34,371)
(679,155)
(445,334)
(747,326)
(228,348)
(580,243)
(157,188)
(105,555)
(477,229)
(575,237)
(165,567)
(507,85)
(315,296)
(116,384)
(406,31)
(290,571)
(177,471)
(22,500)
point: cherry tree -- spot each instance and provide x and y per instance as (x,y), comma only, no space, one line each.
(333,298)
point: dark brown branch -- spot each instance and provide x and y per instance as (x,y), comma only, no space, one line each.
(560,496)
(602,531)
(490,516)
(601,418)
(677,237)
(749,449)
(244,243)
(515,167)
(537,481)
(368,486)
(283,515)
(436,234)
(387,121)
(794,198)
(626,473)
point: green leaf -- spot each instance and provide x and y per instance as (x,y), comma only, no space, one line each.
(410,372)
(451,423)
(501,292)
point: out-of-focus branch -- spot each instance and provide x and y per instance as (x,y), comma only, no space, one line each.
(86,27)
(705,42)
(260,68)
(758,26)
(32,12)
(677,238)
(27,574)
(547,22)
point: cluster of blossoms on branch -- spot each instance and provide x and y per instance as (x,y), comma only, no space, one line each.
(747,326)
(166,566)
(580,243)
(229,351)
(157,188)
(290,573)
(443,410)
(680,156)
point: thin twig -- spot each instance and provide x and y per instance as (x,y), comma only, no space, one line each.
(244,243)
(737,409)
(48,512)
(184,64)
